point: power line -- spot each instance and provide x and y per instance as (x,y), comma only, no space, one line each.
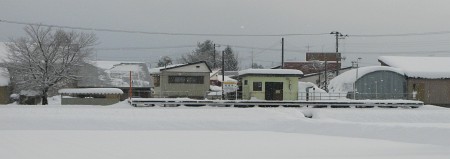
(400,35)
(399,52)
(158,33)
(146,48)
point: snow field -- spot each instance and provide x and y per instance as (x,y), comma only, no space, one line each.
(122,131)
(202,144)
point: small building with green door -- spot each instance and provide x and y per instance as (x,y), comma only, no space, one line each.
(270,84)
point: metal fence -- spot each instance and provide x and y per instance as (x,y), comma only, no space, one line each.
(359,96)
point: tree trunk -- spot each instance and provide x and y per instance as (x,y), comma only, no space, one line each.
(44,97)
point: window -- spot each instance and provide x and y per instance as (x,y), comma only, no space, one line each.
(257,86)
(245,82)
(186,79)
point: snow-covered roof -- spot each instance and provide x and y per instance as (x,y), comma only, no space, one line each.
(214,73)
(3,51)
(157,70)
(219,78)
(227,79)
(90,91)
(115,74)
(215,88)
(344,82)
(270,72)
(29,92)
(420,67)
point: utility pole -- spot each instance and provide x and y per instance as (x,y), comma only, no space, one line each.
(355,64)
(282,53)
(223,73)
(338,36)
(252,60)
(214,56)
(326,76)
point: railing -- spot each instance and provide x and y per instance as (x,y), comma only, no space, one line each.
(320,96)
(357,96)
(406,96)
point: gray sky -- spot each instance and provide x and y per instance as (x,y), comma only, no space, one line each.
(351,17)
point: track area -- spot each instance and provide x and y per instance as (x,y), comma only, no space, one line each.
(148,102)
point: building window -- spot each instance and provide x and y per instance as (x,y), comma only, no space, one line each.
(245,82)
(257,86)
(186,79)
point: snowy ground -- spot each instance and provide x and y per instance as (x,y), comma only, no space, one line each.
(122,131)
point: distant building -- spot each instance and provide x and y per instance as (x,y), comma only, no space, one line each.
(372,82)
(319,78)
(184,80)
(317,66)
(428,78)
(115,74)
(270,84)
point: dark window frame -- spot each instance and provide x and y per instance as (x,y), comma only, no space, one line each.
(186,79)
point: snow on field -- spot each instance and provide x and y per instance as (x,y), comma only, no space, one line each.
(122,131)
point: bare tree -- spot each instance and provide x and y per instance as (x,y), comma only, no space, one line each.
(47,57)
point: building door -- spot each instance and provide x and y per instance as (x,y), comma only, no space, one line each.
(274,90)
(420,90)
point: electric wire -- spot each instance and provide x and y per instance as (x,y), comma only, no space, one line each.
(161,33)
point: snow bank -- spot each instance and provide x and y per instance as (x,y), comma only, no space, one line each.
(420,67)
(313,92)
(344,82)
(271,71)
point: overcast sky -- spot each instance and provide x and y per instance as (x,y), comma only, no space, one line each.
(353,17)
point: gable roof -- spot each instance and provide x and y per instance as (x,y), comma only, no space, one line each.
(420,67)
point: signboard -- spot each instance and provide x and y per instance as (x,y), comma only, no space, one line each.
(230,86)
